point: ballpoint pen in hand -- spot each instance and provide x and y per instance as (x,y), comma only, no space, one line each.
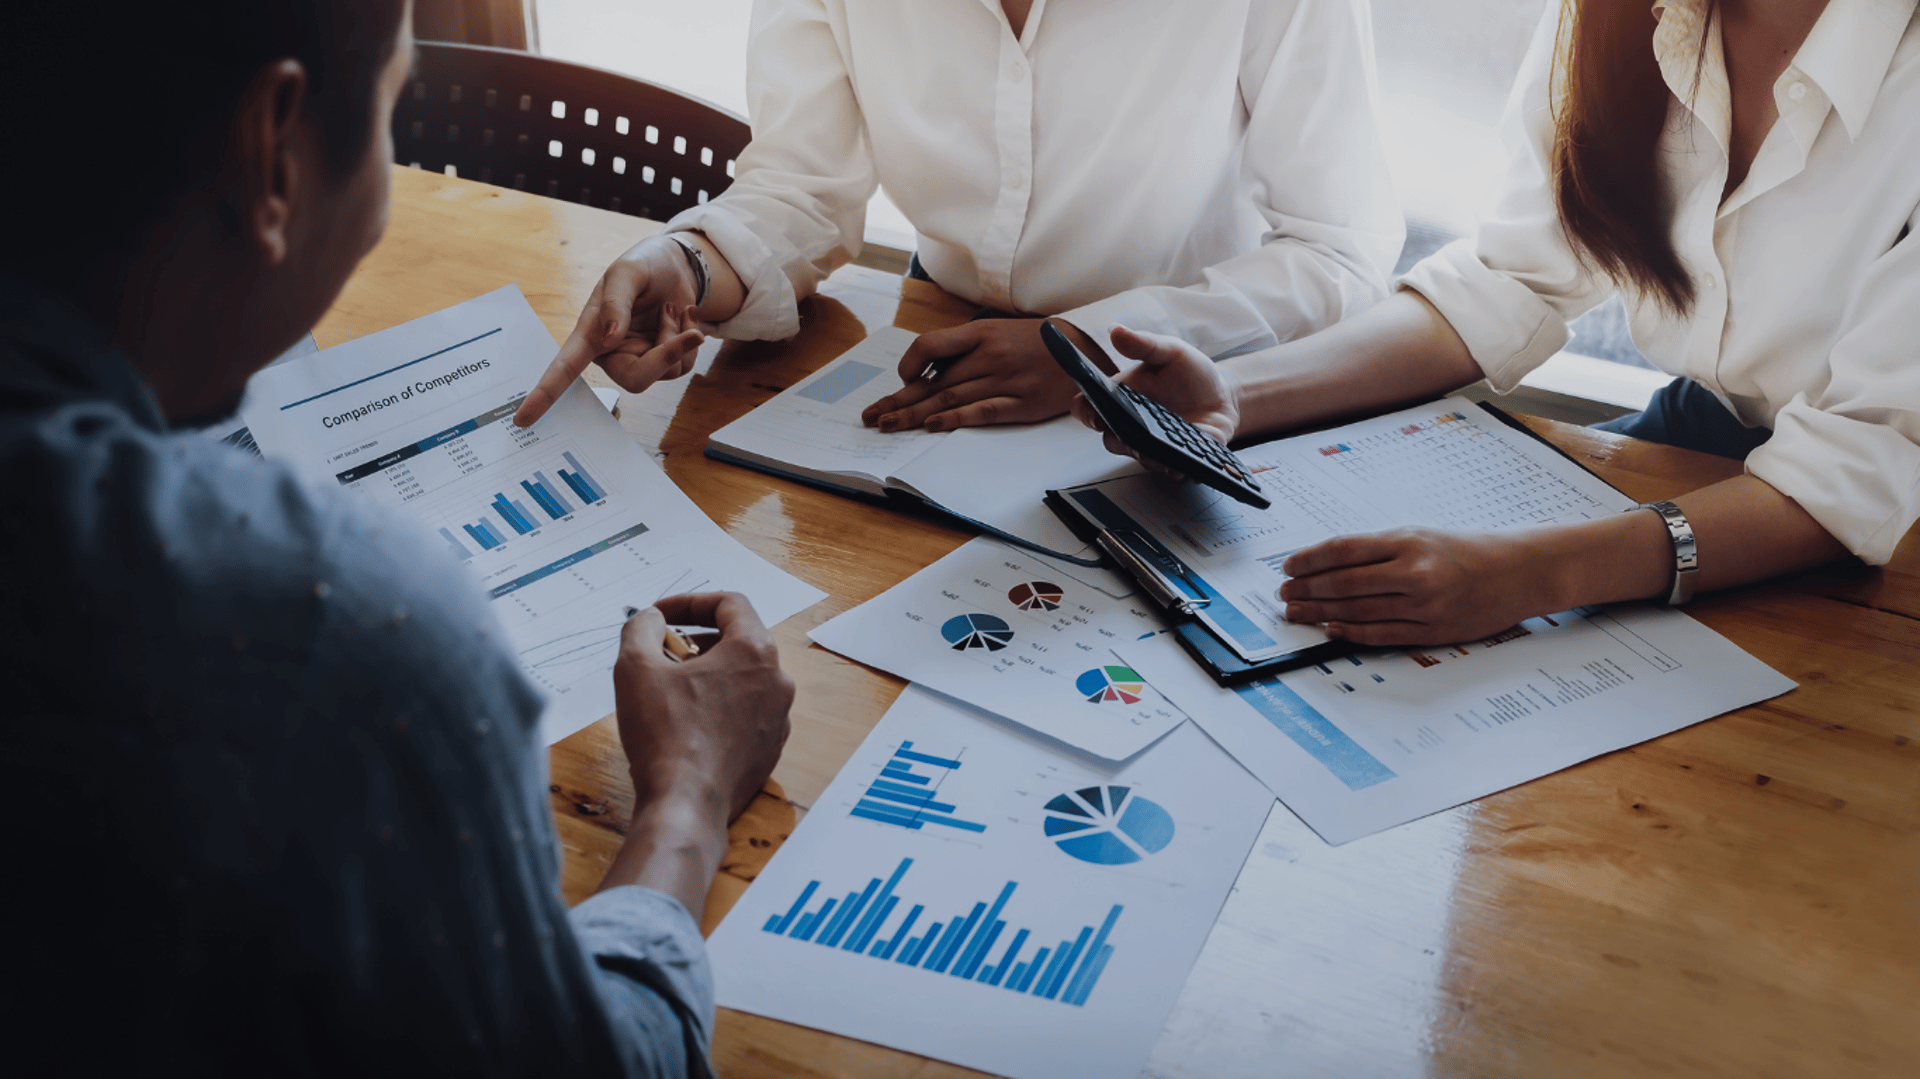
(676,644)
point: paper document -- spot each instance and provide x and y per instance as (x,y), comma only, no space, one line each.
(996,476)
(565,523)
(1003,630)
(964,892)
(1375,740)
(1449,465)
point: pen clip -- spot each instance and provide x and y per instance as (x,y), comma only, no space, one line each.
(1184,597)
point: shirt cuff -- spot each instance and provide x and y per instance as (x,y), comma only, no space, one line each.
(1860,480)
(1507,327)
(648,939)
(771,311)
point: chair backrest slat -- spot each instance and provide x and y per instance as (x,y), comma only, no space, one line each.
(564,130)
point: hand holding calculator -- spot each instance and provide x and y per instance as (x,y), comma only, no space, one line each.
(1153,431)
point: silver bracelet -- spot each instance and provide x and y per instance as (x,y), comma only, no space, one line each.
(697,259)
(1686,556)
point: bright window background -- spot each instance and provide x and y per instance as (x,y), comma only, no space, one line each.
(1445,67)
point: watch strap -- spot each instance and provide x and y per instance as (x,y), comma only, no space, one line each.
(1686,555)
(697,261)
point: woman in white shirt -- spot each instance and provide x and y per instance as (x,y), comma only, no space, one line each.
(1747,174)
(1210,169)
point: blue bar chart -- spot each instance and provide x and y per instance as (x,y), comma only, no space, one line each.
(905,796)
(958,947)
(543,501)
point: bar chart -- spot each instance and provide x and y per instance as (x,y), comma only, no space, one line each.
(958,947)
(550,500)
(904,796)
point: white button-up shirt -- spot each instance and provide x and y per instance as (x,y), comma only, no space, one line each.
(1208,168)
(1807,310)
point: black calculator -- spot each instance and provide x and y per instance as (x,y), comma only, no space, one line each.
(1147,426)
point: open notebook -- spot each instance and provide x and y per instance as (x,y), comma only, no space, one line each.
(992,477)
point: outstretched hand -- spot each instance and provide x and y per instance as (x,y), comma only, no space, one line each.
(990,371)
(636,326)
(1178,376)
(1417,586)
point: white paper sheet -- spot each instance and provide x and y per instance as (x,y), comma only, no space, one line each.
(1357,745)
(1446,465)
(1004,631)
(565,523)
(1128,876)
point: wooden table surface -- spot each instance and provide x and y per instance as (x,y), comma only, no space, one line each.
(1736,899)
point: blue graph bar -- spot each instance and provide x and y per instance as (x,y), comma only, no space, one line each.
(457,545)
(1094,960)
(478,537)
(1006,959)
(882,907)
(956,936)
(973,955)
(511,516)
(553,492)
(598,492)
(899,935)
(579,488)
(958,947)
(1055,978)
(813,921)
(1033,968)
(920,946)
(543,499)
(780,923)
(899,783)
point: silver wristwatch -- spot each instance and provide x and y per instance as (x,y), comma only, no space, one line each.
(1686,556)
(697,260)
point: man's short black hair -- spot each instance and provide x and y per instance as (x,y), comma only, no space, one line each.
(111,110)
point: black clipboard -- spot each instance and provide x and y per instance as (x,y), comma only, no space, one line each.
(1214,655)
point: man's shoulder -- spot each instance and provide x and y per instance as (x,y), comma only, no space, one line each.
(171,548)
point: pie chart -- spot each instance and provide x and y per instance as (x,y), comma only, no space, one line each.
(1108,825)
(1118,684)
(1036,596)
(976,631)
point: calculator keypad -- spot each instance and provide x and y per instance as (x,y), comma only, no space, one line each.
(1188,437)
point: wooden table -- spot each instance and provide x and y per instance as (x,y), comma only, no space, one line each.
(1736,899)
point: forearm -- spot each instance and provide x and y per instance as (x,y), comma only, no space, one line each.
(674,845)
(1398,352)
(1744,531)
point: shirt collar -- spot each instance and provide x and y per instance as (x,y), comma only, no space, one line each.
(1848,51)
(52,353)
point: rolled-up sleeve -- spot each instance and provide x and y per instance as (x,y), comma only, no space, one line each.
(798,207)
(1511,290)
(1317,175)
(1849,451)
(653,967)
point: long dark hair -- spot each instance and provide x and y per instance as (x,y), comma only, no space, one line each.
(1612,106)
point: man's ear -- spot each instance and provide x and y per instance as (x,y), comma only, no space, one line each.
(270,160)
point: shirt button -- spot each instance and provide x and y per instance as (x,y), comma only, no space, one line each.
(1015,179)
(1017,72)
(1797,91)
(1710,282)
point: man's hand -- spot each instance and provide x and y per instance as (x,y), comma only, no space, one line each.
(1419,586)
(636,326)
(1178,376)
(996,370)
(712,724)
(701,736)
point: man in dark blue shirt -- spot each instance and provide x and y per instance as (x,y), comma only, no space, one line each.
(275,800)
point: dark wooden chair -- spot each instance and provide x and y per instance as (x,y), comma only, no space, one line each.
(564,130)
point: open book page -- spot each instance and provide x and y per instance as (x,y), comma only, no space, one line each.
(1000,475)
(813,428)
(1450,464)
